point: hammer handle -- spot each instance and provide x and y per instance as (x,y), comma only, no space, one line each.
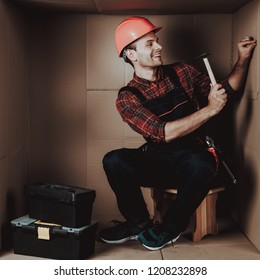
(211,75)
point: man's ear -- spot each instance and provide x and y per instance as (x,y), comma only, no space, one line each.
(131,54)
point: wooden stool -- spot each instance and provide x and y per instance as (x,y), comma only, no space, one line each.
(205,215)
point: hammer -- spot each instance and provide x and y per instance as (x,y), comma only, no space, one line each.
(204,56)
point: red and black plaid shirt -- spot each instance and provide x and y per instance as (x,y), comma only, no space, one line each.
(142,120)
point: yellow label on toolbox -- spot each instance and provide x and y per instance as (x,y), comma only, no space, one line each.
(44,233)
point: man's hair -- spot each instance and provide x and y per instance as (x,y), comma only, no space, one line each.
(132,46)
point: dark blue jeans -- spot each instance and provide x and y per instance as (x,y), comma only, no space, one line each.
(191,170)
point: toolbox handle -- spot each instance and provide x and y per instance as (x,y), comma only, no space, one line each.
(40,223)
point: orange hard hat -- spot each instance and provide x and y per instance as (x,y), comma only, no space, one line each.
(131,29)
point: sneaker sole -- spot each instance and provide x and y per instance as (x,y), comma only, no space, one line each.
(160,247)
(120,241)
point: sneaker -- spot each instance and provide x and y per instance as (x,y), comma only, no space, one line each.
(157,237)
(123,231)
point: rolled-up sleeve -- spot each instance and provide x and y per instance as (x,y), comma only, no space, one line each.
(229,90)
(139,118)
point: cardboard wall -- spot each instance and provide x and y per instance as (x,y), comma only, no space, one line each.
(247,193)
(14,109)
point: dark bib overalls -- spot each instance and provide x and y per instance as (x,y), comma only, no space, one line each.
(183,163)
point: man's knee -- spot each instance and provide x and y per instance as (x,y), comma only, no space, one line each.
(110,158)
(114,159)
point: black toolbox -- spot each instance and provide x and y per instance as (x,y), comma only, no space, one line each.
(67,205)
(35,238)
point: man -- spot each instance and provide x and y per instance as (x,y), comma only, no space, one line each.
(162,103)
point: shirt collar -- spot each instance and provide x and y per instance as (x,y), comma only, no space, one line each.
(147,82)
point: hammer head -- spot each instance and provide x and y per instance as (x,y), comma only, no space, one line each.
(203,55)
(208,67)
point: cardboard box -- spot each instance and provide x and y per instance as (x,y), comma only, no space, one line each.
(34,238)
(66,205)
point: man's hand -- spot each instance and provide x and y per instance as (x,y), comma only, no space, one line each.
(217,99)
(238,75)
(246,47)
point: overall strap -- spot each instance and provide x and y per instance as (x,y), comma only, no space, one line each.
(170,71)
(136,92)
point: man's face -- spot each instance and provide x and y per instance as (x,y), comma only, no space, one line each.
(148,51)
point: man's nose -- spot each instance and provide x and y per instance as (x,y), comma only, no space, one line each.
(158,46)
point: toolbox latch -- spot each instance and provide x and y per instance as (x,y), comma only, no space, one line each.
(43,229)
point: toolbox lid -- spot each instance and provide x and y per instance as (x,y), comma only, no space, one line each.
(46,231)
(78,230)
(60,192)
(26,221)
